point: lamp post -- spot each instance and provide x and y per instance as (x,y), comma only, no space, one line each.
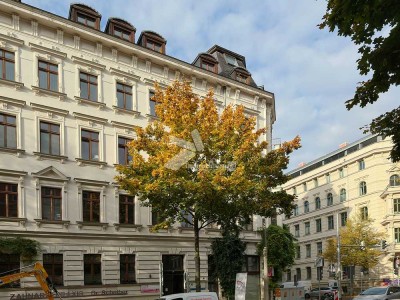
(339,266)
(265,261)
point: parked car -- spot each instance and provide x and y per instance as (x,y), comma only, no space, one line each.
(191,296)
(325,291)
(380,293)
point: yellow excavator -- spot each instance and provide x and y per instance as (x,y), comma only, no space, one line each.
(39,273)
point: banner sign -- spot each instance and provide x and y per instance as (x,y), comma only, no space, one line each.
(240,286)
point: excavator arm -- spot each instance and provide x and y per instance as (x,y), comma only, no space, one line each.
(41,276)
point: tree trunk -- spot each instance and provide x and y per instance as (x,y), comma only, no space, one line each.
(197,253)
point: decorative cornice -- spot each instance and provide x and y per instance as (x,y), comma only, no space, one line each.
(48,51)
(89,118)
(14,173)
(11,39)
(91,182)
(12,101)
(49,109)
(121,73)
(89,63)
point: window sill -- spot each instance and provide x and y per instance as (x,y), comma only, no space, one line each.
(82,161)
(19,152)
(39,222)
(39,91)
(187,229)
(212,230)
(117,109)
(99,105)
(122,225)
(152,117)
(22,221)
(41,155)
(92,224)
(16,84)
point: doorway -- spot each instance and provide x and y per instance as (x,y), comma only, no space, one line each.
(173,274)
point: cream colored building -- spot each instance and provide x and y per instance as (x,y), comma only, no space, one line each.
(358,177)
(70,97)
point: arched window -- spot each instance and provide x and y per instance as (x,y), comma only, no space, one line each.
(329,199)
(394,180)
(296,210)
(363,188)
(343,195)
(306,207)
(317,203)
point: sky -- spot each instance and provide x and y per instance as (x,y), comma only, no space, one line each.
(312,72)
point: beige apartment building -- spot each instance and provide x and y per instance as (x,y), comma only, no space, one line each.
(71,95)
(357,178)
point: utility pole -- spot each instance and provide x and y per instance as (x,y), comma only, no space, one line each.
(339,266)
(266,288)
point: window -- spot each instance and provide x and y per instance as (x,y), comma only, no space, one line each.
(49,138)
(308,273)
(288,275)
(123,154)
(8,131)
(207,65)
(251,265)
(329,199)
(7,65)
(241,77)
(88,86)
(51,204)
(328,178)
(361,165)
(297,230)
(318,225)
(124,96)
(9,264)
(153,104)
(343,218)
(331,224)
(394,180)
(296,210)
(90,145)
(91,206)
(319,248)
(397,235)
(317,203)
(341,173)
(231,60)
(396,206)
(92,269)
(123,34)
(308,250)
(86,20)
(363,188)
(53,264)
(153,45)
(8,200)
(307,228)
(315,180)
(305,187)
(298,273)
(343,195)
(126,209)
(48,76)
(298,252)
(155,217)
(127,268)
(306,206)
(364,212)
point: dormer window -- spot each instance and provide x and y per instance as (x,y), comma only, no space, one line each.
(85,15)
(231,60)
(86,20)
(241,77)
(153,45)
(207,62)
(121,29)
(207,66)
(152,40)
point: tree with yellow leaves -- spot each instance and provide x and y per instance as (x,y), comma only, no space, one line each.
(353,252)
(196,166)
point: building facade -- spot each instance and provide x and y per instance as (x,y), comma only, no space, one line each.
(70,98)
(356,178)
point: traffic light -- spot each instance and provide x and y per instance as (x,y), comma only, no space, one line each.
(384,244)
(320,273)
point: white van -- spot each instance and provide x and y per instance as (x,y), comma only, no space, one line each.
(191,296)
(306,284)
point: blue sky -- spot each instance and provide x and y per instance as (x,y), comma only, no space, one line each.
(312,72)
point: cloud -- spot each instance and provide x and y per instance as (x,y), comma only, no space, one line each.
(312,72)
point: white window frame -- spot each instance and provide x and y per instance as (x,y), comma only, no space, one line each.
(11,44)
(59,122)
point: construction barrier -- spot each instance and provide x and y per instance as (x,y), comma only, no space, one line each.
(295,293)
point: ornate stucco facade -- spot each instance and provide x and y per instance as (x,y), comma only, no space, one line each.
(64,124)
